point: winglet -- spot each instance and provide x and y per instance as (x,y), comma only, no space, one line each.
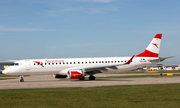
(130,60)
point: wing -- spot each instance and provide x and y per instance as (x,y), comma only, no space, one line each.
(97,69)
(109,66)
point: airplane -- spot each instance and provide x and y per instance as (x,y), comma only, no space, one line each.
(78,68)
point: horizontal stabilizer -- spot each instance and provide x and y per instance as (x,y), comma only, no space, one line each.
(160,59)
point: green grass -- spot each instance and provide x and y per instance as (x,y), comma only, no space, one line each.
(6,78)
(134,72)
(137,76)
(3,75)
(169,71)
(131,96)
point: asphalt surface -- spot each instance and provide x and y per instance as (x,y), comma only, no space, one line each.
(48,81)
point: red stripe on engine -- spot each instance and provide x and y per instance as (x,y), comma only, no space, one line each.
(76,75)
(147,53)
(159,36)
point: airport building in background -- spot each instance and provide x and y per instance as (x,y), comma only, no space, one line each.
(159,67)
(4,65)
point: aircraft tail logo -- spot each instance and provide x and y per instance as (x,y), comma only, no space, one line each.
(155,45)
(40,63)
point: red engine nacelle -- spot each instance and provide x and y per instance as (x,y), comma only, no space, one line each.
(75,74)
(59,76)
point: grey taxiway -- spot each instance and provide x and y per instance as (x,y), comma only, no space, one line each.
(48,81)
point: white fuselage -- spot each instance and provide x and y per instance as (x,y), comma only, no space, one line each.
(62,66)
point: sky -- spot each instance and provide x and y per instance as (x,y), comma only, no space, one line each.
(37,29)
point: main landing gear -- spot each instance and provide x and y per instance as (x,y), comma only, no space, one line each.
(90,78)
(83,78)
(21,78)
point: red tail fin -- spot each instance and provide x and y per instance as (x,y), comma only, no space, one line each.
(153,49)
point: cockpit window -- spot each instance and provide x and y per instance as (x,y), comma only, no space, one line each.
(14,64)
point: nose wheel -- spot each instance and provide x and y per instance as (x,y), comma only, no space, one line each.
(21,78)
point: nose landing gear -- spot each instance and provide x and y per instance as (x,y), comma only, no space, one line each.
(21,78)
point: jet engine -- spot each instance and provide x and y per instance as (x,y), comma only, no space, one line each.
(59,76)
(75,74)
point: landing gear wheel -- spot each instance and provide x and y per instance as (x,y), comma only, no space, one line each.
(21,80)
(92,78)
(83,78)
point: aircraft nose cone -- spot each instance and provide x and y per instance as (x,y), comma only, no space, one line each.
(5,72)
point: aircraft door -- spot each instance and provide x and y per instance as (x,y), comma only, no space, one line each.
(28,65)
(135,61)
